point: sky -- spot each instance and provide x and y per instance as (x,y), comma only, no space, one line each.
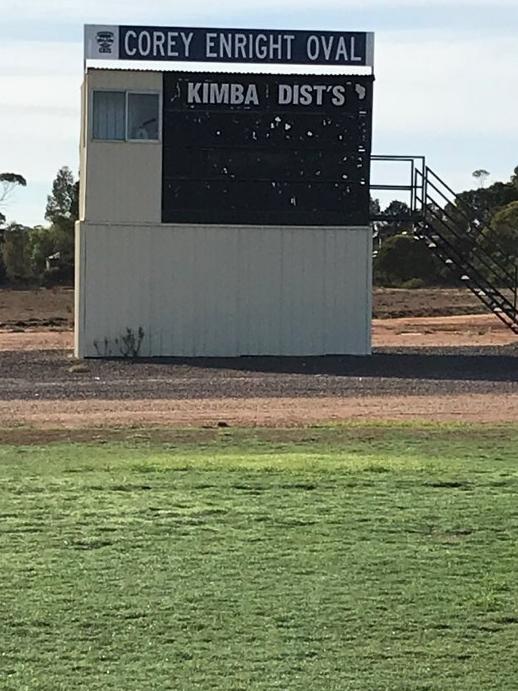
(445,77)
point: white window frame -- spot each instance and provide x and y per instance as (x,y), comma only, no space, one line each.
(126,93)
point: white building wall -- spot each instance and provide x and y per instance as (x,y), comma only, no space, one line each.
(223,290)
(121,181)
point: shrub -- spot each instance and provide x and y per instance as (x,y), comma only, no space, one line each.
(402,260)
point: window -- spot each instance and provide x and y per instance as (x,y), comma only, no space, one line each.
(109,121)
(143,116)
(122,116)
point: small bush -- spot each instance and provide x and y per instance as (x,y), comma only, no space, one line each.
(404,261)
(414,283)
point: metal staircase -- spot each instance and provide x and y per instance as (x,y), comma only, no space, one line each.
(451,230)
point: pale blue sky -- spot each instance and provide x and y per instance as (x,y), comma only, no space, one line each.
(445,76)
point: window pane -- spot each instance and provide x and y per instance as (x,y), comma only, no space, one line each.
(143,116)
(109,115)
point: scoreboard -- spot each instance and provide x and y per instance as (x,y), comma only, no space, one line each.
(266,149)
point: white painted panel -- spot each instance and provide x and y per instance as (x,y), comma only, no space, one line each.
(224,291)
(122,181)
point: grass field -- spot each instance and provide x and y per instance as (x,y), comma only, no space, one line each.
(364,558)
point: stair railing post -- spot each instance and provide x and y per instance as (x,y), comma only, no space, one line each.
(425,192)
(515,285)
(412,187)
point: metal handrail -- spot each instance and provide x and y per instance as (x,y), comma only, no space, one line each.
(417,164)
(506,275)
(457,251)
(442,214)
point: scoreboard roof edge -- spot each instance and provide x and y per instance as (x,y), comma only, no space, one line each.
(253,46)
(239,72)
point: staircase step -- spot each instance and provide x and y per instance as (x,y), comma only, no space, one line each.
(486,291)
(461,252)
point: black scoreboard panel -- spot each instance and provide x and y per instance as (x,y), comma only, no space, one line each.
(266,149)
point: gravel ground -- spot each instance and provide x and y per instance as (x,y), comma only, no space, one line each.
(51,375)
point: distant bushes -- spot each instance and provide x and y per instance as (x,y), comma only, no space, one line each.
(43,255)
(404,262)
(34,257)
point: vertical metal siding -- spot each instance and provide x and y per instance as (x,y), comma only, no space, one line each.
(225,291)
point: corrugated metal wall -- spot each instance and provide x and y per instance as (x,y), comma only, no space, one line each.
(223,291)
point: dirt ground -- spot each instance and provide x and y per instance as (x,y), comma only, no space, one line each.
(463,330)
(41,309)
(436,358)
(401,317)
(53,308)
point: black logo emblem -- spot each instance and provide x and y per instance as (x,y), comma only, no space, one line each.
(105,40)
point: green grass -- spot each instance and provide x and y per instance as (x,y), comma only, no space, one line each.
(366,558)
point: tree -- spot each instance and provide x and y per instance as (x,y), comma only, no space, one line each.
(400,212)
(62,211)
(481,174)
(63,203)
(501,238)
(15,253)
(8,183)
(485,201)
(374,207)
(42,244)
